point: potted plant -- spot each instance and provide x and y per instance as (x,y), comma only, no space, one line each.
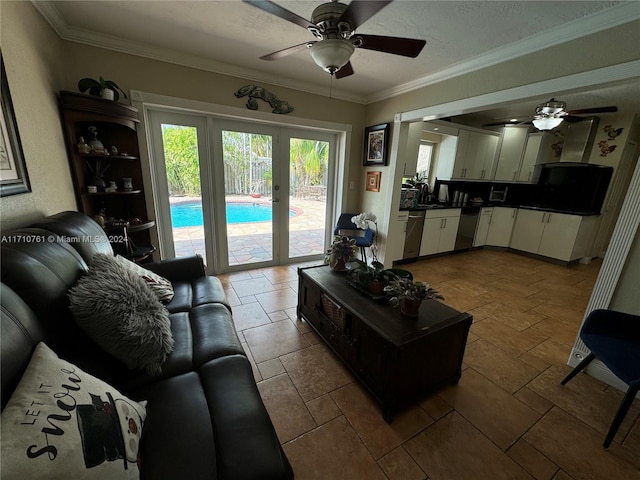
(373,277)
(104,88)
(342,251)
(409,294)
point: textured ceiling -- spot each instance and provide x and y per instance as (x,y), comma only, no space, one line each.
(229,36)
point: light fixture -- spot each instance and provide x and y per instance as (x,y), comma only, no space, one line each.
(331,54)
(547,123)
(549,115)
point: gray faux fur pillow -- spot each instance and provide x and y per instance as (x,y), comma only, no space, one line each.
(119,311)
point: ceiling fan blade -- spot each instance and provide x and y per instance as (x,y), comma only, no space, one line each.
(275,9)
(359,11)
(408,47)
(345,71)
(286,51)
(585,111)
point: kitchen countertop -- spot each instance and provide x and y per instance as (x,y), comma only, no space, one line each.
(527,207)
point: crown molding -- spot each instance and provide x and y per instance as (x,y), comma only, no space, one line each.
(609,18)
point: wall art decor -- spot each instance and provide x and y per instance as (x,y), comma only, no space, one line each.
(612,132)
(373,181)
(253,92)
(376,140)
(13,171)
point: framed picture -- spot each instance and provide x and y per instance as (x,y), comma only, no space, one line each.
(376,141)
(13,171)
(373,181)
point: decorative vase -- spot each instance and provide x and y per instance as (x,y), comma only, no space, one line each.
(107,94)
(410,307)
(340,266)
(377,286)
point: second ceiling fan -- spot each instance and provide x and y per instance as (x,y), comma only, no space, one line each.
(333,24)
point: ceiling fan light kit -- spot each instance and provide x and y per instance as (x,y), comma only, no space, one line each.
(331,54)
(547,123)
(333,24)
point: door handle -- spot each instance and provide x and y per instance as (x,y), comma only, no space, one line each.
(275,200)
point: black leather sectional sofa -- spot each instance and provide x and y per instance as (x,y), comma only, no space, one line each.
(205,418)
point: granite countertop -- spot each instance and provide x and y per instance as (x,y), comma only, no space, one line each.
(528,207)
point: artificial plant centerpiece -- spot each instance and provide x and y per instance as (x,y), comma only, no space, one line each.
(103,88)
(341,252)
(409,294)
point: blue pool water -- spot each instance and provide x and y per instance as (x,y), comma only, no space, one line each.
(190,214)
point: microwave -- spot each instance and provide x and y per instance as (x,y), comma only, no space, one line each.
(498,194)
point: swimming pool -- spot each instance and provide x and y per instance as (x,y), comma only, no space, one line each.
(189,214)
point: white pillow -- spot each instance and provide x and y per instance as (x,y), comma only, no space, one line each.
(160,285)
(62,423)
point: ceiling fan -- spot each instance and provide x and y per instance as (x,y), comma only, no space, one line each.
(333,24)
(550,114)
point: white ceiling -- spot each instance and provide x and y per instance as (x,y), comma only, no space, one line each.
(229,36)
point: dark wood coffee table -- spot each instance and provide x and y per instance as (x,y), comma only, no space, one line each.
(398,359)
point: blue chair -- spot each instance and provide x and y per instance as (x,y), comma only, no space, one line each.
(346,228)
(614,339)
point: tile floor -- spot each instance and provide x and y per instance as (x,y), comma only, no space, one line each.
(508,418)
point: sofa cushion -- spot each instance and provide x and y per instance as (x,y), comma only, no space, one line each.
(119,311)
(199,291)
(160,285)
(63,423)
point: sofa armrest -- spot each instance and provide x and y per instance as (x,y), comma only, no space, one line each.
(178,269)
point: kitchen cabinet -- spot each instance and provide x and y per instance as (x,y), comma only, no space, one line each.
(512,148)
(396,248)
(469,156)
(439,231)
(501,226)
(482,227)
(410,152)
(556,235)
(529,157)
(101,136)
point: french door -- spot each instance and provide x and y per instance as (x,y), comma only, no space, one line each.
(243,195)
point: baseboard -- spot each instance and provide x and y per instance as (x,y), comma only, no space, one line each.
(598,370)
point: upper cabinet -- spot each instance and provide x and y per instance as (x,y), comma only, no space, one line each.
(514,140)
(469,156)
(410,152)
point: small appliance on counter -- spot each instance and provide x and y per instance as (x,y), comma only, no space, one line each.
(409,198)
(498,194)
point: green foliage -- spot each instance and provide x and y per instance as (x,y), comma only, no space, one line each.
(181,159)
(247,161)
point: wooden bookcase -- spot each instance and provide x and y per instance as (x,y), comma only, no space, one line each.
(125,210)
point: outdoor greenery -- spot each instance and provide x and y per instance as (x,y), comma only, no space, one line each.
(247,162)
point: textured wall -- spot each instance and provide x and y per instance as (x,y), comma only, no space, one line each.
(34,62)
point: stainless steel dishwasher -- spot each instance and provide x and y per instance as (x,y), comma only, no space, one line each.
(467,228)
(414,234)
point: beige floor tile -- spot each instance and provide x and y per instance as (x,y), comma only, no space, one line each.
(505,313)
(270,368)
(453,449)
(533,400)
(249,316)
(270,341)
(510,340)
(252,286)
(398,465)
(577,448)
(332,451)
(315,371)
(323,409)
(585,398)
(498,415)
(505,371)
(533,461)
(278,300)
(435,406)
(288,413)
(365,415)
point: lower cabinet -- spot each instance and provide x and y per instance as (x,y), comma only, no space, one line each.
(439,231)
(556,235)
(501,226)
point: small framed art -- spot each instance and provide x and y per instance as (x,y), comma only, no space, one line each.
(373,181)
(376,139)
